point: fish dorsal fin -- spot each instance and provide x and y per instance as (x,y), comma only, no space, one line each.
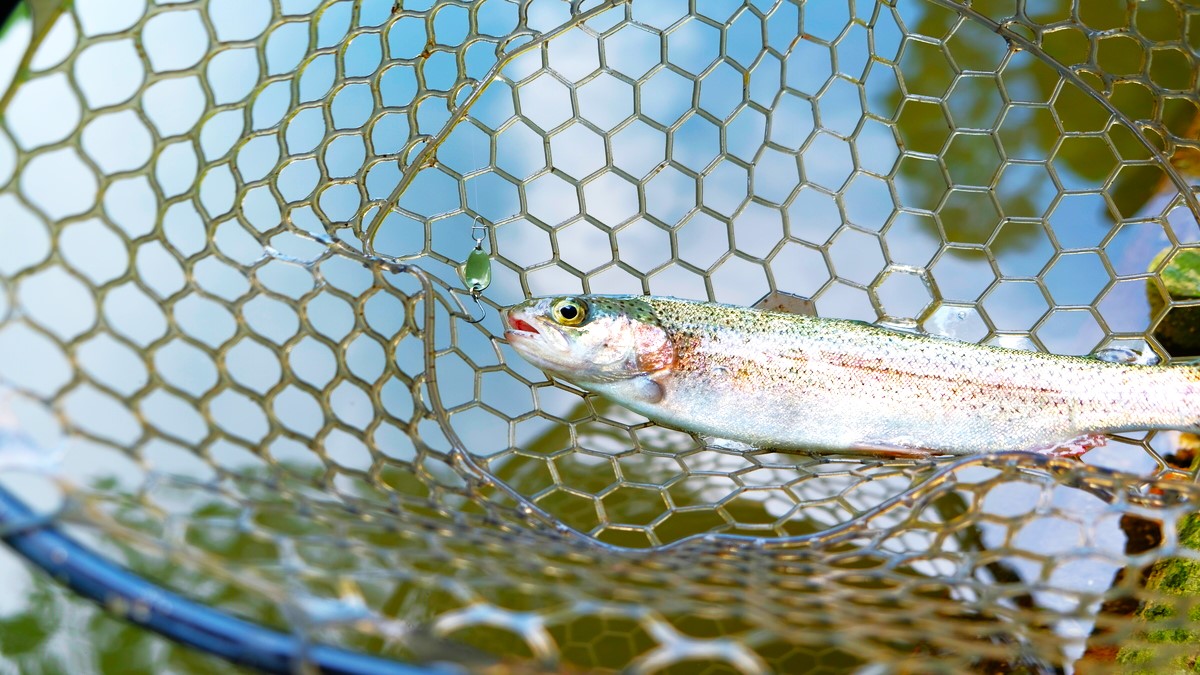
(778,301)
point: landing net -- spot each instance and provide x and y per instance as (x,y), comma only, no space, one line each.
(238,362)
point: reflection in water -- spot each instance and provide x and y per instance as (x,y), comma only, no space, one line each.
(626,481)
(47,629)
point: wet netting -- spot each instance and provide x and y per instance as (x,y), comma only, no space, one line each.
(246,404)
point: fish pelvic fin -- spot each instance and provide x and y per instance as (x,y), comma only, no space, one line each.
(1076,447)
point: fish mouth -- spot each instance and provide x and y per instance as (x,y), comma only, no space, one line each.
(518,326)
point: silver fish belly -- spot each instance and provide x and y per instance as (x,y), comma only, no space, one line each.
(788,381)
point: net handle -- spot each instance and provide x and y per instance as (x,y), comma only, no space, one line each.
(157,609)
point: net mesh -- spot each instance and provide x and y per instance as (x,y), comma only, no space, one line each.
(233,333)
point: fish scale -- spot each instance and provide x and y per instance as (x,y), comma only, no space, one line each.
(778,380)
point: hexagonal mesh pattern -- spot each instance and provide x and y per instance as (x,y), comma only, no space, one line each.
(229,234)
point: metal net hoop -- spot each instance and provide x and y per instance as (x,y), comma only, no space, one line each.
(241,363)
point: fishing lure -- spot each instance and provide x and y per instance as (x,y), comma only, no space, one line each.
(780,380)
(476,271)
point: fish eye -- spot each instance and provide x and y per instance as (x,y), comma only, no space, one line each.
(569,311)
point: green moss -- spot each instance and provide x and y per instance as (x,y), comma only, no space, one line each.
(1174,577)
(1180,576)
(1189,532)
(1135,656)
(1171,636)
(1179,330)
(1181,276)
(1156,612)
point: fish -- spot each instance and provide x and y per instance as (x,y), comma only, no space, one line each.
(788,381)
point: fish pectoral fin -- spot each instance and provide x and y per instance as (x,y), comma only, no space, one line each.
(647,390)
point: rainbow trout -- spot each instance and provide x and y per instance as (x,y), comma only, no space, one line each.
(775,380)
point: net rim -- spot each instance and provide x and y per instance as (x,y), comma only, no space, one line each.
(169,614)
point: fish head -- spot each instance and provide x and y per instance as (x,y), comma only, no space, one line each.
(589,338)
